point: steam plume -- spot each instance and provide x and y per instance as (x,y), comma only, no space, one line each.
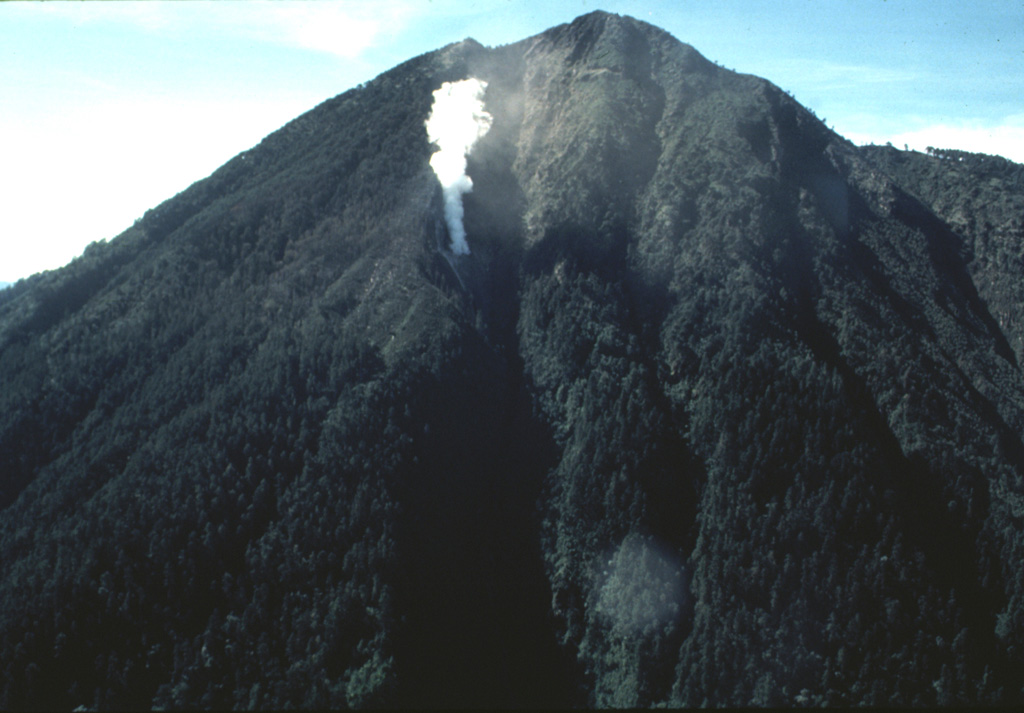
(456,121)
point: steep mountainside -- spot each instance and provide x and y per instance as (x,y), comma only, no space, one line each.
(719,410)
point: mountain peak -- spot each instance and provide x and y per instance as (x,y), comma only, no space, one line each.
(600,20)
(604,33)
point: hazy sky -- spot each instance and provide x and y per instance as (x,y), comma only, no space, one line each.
(108,108)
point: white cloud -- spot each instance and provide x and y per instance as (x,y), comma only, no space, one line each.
(1005,138)
(344,28)
(338,28)
(77,182)
(833,76)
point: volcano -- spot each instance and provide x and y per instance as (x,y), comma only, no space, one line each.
(715,409)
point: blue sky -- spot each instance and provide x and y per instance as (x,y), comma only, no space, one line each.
(108,108)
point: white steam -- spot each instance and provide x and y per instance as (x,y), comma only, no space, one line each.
(456,121)
(643,588)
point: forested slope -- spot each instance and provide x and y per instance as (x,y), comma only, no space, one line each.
(720,410)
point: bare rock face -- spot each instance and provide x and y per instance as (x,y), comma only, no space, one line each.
(718,410)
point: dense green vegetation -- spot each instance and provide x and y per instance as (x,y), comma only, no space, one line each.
(721,410)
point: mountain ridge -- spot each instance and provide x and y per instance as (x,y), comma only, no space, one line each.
(720,410)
